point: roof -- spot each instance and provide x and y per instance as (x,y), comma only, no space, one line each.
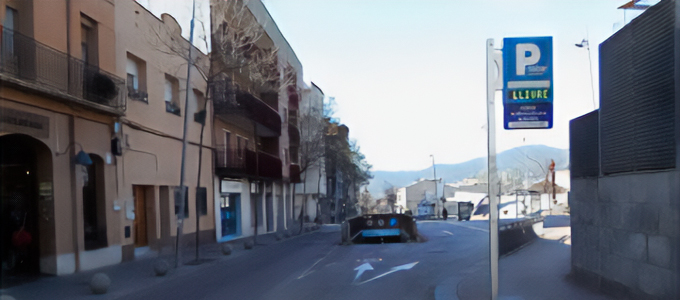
(481,188)
(546,187)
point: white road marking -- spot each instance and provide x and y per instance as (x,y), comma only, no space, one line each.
(394,269)
(447,232)
(361,269)
(309,271)
(470,227)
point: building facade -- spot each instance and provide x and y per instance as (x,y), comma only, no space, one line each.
(254,129)
(152,56)
(59,102)
(91,113)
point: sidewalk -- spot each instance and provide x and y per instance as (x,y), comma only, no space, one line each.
(128,277)
(537,271)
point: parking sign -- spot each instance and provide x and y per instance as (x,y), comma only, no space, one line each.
(527,83)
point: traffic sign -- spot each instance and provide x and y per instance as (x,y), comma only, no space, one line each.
(527,83)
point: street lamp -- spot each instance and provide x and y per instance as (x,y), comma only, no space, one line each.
(434,168)
(585,44)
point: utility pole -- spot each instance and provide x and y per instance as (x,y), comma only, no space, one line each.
(183,189)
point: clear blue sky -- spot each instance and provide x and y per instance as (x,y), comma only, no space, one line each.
(409,76)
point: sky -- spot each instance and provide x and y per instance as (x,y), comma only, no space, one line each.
(409,77)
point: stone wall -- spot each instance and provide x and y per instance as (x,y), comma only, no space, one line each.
(626,234)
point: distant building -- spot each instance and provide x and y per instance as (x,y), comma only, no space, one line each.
(413,194)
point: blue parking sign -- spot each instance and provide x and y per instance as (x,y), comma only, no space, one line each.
(527,83)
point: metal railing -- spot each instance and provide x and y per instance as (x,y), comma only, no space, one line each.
(228,99)
(22,57)
(231,161)
(230,158)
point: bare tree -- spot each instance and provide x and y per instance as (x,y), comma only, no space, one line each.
(312,149)
(366,202)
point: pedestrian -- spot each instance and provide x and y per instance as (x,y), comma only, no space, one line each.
(445,213)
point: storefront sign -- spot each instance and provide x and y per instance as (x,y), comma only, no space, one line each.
(16,121)
(45,189)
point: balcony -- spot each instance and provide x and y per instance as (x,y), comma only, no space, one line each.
(31,65)
(244,163)
(269,165)
(230,101)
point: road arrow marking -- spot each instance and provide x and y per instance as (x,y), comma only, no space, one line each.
(394,269)
(361,269)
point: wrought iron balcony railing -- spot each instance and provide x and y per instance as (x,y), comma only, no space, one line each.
(33,65)
(230,100)
(240,163)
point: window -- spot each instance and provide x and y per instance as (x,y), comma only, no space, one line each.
(286,157)
(172,95)
(9,26)
(240,146)
(88,31)
(11,19)
(285,115)
(227,144)
(136,78)
(200,114)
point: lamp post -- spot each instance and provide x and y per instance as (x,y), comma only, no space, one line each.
(434,169)
(586,44)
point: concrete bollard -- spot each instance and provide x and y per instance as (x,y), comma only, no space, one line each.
(161,267)
(100,283)
(249,244)
(226,249)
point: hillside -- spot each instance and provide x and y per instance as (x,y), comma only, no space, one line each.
(516,158)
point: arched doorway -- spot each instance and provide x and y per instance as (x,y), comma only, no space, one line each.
(26,205)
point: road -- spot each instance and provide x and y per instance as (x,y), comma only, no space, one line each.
(315,266)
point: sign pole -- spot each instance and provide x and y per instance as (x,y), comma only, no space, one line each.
(491,85)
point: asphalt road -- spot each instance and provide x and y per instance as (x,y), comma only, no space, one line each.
(315,266)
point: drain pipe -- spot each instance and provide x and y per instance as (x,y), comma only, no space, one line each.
(72,153)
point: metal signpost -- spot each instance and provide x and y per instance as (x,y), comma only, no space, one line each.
(524,69)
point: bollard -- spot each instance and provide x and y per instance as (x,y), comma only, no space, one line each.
(248,245)
(226,249)
(100,283)
(161,267)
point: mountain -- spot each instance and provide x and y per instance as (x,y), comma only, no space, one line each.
(523,158)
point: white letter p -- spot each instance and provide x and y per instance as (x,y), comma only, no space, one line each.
(523,60)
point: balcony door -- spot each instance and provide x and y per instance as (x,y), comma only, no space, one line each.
(227,147)
(9,25)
